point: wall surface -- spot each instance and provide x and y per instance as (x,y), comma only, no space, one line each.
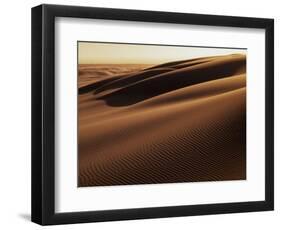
(15,114)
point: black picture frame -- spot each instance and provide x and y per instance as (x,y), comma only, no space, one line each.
(43,110)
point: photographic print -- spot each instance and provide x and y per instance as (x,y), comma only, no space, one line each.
(150,114)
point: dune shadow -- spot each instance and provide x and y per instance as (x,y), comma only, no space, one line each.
(136,90)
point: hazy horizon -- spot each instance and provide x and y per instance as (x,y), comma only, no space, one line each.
(133,54)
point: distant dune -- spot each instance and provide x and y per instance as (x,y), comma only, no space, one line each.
(181,121)
(91,73)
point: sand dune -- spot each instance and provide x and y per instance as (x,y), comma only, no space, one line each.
(91,73)
(181,121)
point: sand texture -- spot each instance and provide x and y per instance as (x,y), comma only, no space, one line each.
(181,121)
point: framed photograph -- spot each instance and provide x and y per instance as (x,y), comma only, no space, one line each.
(142,114)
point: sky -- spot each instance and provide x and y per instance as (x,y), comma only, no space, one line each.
(118,53)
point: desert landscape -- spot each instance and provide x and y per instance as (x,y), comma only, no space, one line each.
(179,121)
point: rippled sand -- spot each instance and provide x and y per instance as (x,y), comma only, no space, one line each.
(181,121)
